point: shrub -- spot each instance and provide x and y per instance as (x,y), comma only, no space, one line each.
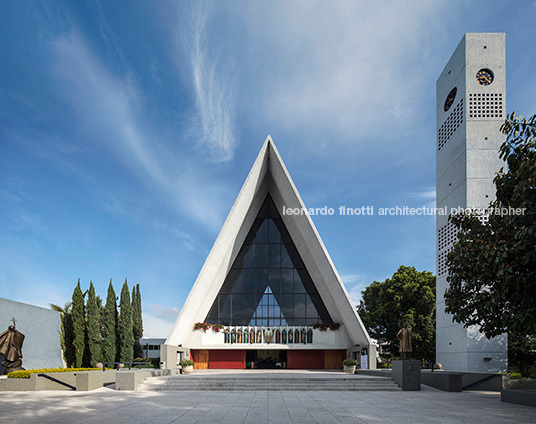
(516,376)
(26,373)
(186,363)
(150,360)
(349,362)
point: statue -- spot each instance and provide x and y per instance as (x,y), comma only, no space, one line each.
(11,349)
(404,335)
(268,335)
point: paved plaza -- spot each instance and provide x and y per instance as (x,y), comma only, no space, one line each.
(110,406)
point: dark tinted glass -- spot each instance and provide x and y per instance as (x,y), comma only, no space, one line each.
(274,256)
(268,283)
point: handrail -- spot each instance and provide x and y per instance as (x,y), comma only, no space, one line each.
(474,383)
(139,364)
(55,380)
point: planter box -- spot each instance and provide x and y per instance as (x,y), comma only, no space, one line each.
(349,369)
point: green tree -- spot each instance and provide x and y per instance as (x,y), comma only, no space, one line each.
(126,333)
(93,327)
(66,332)
(492,265)
(79,325)
(137,321)
(408,296)
(110,326)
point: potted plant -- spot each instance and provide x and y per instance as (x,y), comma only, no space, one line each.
(187,366)
(349,366)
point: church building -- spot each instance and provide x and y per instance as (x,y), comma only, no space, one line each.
(268,295)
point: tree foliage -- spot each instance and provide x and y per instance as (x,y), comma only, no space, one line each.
(92,333)
(110,327)
(79,325)
(408,296)
(66,332)
(126,333)
(137,320)
(492,266)
(93,327)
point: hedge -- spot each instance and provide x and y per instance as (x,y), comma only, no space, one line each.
(26,373)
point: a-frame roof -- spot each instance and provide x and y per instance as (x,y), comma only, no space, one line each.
(268,175)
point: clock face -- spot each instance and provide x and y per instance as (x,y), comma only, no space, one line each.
(484,77)
(450,98)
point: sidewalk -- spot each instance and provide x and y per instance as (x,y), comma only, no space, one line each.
(110,406)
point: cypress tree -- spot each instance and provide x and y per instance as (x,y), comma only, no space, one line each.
(79,325)
(137,321)
(93,328)
(109,345)
(126,334)
(140,314)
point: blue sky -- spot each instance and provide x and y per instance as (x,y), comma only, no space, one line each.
(128,128)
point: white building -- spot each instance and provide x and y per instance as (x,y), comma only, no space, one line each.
(151,347)
(272,287)
(471,101)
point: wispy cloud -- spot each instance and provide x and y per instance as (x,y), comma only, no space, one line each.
(110,109)
(428,194)
(355,284)
(158,319)
(109,101)
(344,65)
(341,70)
(214,93)
(164,312)
(155,327)
(191,243)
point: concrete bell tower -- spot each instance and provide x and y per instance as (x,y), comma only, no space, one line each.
(471,100)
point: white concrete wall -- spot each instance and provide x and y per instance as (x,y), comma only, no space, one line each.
(41,328)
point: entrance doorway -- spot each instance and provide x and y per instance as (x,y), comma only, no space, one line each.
(266,359)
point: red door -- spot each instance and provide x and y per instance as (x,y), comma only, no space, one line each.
(305,359)
(227,359)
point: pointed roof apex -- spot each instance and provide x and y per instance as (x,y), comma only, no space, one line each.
(269,142)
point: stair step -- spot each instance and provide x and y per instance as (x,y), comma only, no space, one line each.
(170,383)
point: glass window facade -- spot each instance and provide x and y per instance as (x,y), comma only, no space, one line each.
(268,284)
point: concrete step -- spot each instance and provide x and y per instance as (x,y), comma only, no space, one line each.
(249,384)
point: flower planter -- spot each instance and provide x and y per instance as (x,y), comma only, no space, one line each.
(349,369)
(188,369)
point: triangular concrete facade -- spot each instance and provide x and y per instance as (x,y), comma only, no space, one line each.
(269,176)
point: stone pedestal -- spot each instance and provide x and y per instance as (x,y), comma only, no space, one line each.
(407,374)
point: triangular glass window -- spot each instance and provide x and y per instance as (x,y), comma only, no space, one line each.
(268,284)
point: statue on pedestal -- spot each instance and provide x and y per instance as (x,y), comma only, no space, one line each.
(11,349)
(404,335)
